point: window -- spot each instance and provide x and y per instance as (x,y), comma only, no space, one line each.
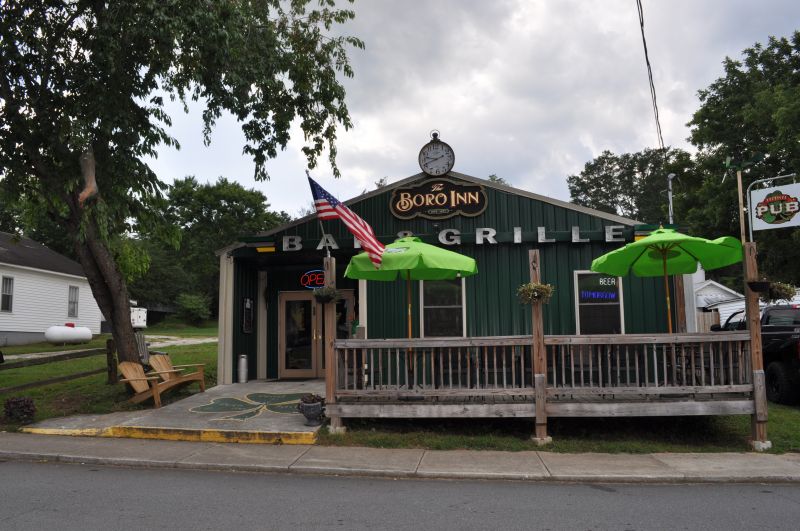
(72,304)
(598,304)
(7,294)
(443,308)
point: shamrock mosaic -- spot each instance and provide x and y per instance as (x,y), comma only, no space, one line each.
(251,406)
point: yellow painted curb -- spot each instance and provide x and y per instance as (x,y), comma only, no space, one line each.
(173,434)
(75,432)
(220,436)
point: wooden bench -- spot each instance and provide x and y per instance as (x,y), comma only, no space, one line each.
(152,384)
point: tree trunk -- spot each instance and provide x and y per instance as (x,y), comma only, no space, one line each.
(106,280)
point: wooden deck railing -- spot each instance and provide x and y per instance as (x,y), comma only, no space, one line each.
(436,367)
(649,364)
(598,365)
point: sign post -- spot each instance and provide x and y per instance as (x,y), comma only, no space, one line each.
(539,356)
(329,313)
(769,208)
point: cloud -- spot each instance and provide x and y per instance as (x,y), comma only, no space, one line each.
(528,90)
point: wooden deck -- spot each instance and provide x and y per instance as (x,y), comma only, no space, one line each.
(601,375)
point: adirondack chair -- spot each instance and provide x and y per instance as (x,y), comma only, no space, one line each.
(152,384)
(143,350)
(168,372)
(143,386)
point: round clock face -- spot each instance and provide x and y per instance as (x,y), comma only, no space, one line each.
(436,158)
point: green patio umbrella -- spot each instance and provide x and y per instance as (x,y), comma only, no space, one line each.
(412,259)
(667,252)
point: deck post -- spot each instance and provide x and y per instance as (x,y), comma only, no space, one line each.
(759,419)
(539,355)
(329,316)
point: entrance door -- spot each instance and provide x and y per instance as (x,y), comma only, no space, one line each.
(301,352)
(299,335)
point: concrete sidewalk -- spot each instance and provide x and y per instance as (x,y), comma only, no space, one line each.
(255,412)
(459,464)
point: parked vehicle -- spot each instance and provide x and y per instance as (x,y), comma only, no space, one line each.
(780,343)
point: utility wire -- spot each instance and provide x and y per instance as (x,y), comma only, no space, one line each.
(650,78)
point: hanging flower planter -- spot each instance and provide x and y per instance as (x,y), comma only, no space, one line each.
(533,292)
(759,286)
(325,295)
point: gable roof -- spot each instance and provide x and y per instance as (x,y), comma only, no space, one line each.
(719,287)
(469,178)
(25,252)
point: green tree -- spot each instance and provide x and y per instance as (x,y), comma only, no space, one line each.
(499,180)
(753,109)
(165,278)
(632,184)
(211,216)
(82,103)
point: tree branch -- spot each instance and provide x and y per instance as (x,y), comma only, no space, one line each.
(89,180)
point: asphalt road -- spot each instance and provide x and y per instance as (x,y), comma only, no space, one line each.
(55,496)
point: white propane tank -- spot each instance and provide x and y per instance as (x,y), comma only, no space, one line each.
(58,335)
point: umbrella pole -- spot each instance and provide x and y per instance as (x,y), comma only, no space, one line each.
(666,291)
(408,301)
(412,363)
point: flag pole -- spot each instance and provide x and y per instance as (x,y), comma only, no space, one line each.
(321,228)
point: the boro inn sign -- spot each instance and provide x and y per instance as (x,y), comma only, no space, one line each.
(438,199)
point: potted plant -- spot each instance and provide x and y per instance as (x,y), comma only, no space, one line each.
(778,291)
(313,408)
(325,295)
(534,292)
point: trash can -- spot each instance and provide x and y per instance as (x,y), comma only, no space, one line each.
(242,369)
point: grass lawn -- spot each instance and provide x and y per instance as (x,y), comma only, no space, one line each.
(173,327)
(608,435)
(98,341)
(166,328)
(91,394)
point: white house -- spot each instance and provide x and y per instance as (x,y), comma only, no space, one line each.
(715,302)
(40,288)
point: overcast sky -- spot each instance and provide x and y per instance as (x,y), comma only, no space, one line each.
(528,90)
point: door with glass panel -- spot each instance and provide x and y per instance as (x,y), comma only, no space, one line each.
(299,335)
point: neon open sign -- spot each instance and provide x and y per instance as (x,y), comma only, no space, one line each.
(313,279)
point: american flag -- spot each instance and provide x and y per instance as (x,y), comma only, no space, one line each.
(329,208)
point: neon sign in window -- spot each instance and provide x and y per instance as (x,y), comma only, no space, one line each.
(313,279)
(599,308)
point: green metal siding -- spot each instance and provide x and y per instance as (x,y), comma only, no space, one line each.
(245,285)
(492,307)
